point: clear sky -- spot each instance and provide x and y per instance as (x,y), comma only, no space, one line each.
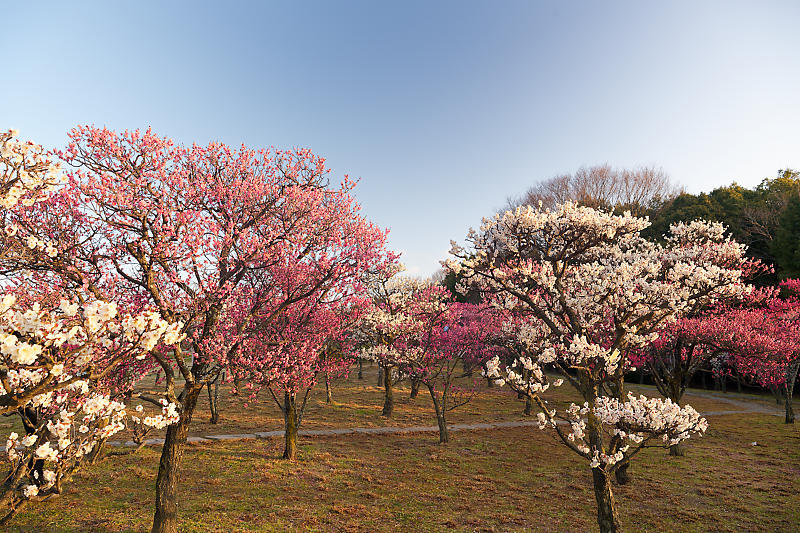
(443,109)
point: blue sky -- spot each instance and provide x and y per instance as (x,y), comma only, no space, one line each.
(442,109)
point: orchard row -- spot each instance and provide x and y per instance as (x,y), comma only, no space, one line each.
(126,254)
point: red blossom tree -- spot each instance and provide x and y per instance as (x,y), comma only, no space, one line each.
(452,335)
(762,340)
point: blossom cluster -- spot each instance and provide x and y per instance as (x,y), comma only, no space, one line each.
(27,175)
(169,415)
(45,349)
(639,418)
(534,381)
(75,428)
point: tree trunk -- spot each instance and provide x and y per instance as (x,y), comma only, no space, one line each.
(360,369)
(30,421)
(703,380)
(440,408)
(528,405)
(787,402)
(328,396)
(677,450)
(789,410)
(388,398)
(607,517)
(791,377)
(380,376)
(290,426)
(444,436)
(414,388)
(165,519)
(526,377)
(213,401)
(622,473)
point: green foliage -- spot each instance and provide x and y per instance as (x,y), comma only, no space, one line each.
(684,208)
(451,280)
(754,217)
(786,244)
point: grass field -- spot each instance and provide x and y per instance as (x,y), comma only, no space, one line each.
(514,479)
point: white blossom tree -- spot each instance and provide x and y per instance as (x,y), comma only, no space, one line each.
(587,288)
(383,332)
(66,356)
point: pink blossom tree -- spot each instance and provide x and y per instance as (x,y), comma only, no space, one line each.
(415,330)
(592,289)
(288,362)
(189,231)
(308,337)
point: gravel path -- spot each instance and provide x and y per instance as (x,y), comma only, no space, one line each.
(744,407)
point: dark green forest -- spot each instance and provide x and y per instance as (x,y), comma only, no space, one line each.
(766,218)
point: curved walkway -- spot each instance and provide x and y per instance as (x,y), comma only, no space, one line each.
(744,407)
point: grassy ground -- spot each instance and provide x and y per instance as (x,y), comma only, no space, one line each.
(516,479)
